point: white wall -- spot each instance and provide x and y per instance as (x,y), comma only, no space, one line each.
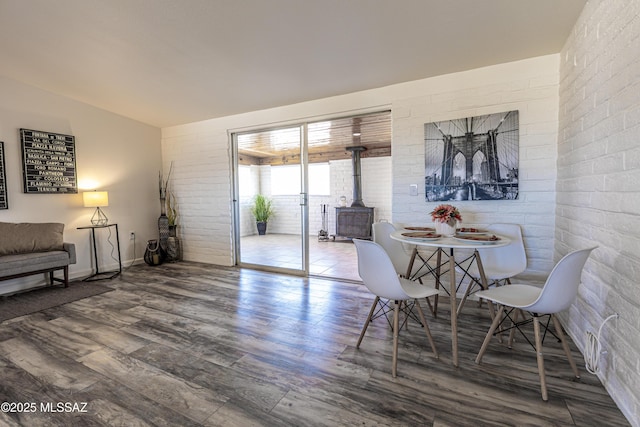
(597,189)
(116,154)
(202,185)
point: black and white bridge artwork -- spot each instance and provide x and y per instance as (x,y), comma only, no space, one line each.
(474,158)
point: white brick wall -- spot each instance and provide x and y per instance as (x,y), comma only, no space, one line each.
(598,176)
(201,183)
(535,97)
(376,186)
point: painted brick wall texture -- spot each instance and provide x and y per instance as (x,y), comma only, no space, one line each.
(200,180)
(536,99)
(597,189)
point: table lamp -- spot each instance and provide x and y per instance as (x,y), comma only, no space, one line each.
(96,199)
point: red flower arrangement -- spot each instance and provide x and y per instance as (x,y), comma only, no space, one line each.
(446,214)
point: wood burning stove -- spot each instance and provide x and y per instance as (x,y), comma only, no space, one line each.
(355,221)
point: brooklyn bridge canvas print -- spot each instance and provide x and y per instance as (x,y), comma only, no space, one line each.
(475,158)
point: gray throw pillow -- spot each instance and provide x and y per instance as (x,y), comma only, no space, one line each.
(20,238)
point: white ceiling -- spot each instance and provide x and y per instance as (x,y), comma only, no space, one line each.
(168,62)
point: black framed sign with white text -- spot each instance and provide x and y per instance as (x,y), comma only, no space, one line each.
(4,203)
(48,162)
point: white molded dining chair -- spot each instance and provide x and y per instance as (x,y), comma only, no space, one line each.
(557,294)
(380,277)
(499,264)
(400,256)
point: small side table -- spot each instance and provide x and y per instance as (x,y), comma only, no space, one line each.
(102,275)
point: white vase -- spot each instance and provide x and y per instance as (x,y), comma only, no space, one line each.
(446,228)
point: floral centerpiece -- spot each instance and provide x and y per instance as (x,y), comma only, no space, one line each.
(446,213)
(445,218)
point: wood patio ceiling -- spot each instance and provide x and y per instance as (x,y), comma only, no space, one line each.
(328,140)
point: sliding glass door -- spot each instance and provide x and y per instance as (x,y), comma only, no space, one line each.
(270,203)
(307,172)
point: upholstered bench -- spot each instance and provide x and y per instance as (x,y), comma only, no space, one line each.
(32,248)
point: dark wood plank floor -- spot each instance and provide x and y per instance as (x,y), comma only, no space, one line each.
(189,344)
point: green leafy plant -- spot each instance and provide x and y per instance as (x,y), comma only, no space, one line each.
(262,208)
(172,211)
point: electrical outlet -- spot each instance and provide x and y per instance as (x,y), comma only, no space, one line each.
(132,235)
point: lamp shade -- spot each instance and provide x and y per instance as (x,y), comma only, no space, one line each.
(95,199)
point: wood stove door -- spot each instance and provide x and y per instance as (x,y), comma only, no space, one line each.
(272,163)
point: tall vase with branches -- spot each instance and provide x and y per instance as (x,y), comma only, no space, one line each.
(163,221)
(163,185)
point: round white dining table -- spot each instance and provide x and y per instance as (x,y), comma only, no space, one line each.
(451,243)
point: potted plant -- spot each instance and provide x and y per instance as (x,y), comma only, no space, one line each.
(262,210)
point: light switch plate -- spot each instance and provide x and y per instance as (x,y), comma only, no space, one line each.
(413,189)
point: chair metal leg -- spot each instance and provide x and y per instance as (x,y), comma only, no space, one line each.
(431,307)
(565,346)
(482,282)
(394,359)
(427,330)
(366,324)
(494,325)
(539,356)
(407,311)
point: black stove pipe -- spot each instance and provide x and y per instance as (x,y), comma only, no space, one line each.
(357,183)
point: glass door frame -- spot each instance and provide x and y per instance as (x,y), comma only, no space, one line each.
(303,201)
